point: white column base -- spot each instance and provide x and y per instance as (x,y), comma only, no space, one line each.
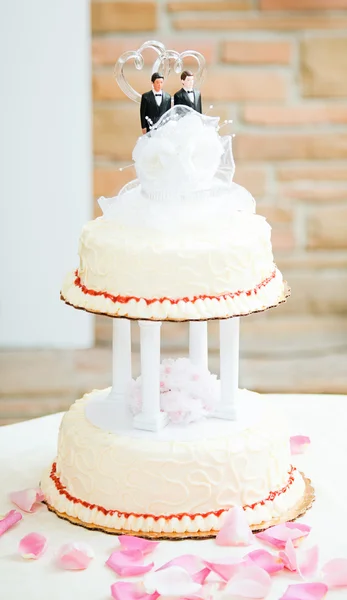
(151,422)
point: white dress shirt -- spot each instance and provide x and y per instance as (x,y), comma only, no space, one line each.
(158,97)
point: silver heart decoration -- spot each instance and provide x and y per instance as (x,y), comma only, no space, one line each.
(136,56)
(162,65)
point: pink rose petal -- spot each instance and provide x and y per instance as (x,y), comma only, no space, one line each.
(128,563)
(189,562)
(279,534)
(265,560)
(308,562)
(299,443)
(75,556)
(249,582)
(129,542)
(39,495)
(210,591)
(200,576)
(9,520)
(124,590)
(173,581)
(226,568)
(32,545)
(304,562)
(235,530)
(305,591)
(26,499)
(288,556)
(335,572)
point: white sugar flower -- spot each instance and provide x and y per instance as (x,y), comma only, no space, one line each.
(181,155)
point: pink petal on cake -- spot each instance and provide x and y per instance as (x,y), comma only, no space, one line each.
(129,542)
(335,572)
(305,591)
(75,556)
(226,568)
(189,562)
(25,499)
(126,590)
(128,563)
(9,520)
(279,534)
(249,582)
(265,560)
(32,545)
(299,443)
(173,581)
(235,530)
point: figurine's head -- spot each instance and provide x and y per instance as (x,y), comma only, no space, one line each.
(157,81)
(187,79)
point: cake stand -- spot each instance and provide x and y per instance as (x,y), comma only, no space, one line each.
(103,412)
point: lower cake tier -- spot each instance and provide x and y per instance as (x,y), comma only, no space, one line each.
(182,480)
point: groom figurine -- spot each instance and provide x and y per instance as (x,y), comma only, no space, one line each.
(187,95)
(154,103)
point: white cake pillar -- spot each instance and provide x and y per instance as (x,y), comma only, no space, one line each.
(121,358)
(198,346)
(229,368)
(150,418)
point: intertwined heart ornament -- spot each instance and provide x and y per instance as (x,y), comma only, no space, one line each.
(166,61)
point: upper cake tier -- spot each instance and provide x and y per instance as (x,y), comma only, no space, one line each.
(182,241)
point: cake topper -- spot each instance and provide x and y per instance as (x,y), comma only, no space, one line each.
(154,103)
(188,95)
(163,65)
(182,153)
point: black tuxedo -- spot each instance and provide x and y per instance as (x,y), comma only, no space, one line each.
(149,108)
(182,97)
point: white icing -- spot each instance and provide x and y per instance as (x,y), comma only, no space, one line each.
(266,296)
(255,516)
(147,474)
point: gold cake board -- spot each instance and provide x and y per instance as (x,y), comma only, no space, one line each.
(286,294)
(294,513)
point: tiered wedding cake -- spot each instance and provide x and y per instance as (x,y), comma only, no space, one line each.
(182,242)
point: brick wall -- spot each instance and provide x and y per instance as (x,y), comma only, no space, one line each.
(278,68)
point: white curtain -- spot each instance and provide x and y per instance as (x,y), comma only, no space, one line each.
(45,168)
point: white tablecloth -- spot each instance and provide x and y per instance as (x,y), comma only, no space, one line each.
(27,448)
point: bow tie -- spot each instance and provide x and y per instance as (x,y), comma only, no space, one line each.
(190,91)
(158,94)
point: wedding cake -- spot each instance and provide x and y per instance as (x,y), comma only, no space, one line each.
(181,242)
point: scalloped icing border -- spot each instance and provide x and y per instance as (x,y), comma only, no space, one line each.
(294,513)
